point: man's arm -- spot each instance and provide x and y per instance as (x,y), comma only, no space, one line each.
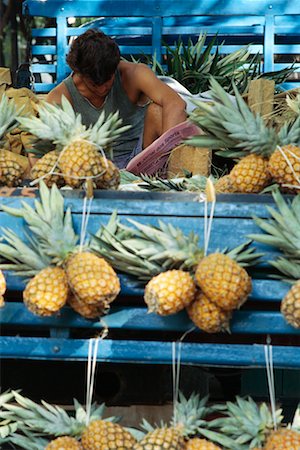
(56,94)
(173,107)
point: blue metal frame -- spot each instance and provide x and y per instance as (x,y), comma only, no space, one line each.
(156,19)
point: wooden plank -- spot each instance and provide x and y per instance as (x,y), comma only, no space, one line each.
(148,352)
(261,97)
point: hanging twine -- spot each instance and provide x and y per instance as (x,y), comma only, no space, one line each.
(91,368)
(52,171)
(270,376)
(210,197)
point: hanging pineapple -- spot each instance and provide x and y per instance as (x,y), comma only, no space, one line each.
(282,231)
(77,156)
(236,132)
(187,421)
(64,443)
(103,435)
(12,165)
(53,257)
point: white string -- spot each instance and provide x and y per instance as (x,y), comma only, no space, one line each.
(91,368)
(176,365)
(289,163)
(86,210)
(270,376)
(208,232)
(91,177)
(205,226)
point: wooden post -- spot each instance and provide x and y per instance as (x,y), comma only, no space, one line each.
(194,159)
(261,97)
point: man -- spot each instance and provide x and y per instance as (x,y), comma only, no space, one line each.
(101,81)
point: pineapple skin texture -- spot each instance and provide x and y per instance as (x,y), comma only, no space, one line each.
(89,311)
(280,170)
(161,439)
(64,443)
(207,316)
(92,279)
(2,288)
(250,175)
(111,177)
(101,435)
(169,292)
(290,305)
(200,444)
(223,281)
(283,440)
(224,185)
(80,160)
(47,292)
(43,166)
(11,172)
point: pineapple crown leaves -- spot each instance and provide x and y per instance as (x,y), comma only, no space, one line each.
(27,440)
(232,125)
(190,413)
(61,125)
(146,250)
(8,114)
(52,227)
(246,422)
(282,231)
(49,419)
(244,254)
(290,133)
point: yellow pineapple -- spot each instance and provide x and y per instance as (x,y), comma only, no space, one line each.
(64,443)
(2,288)
(47,292)
(92,279)
(87,310)
(224,185)
(290,305)
(207,316)
(236,132)
(104,435)
(80,157)
(111,177)
(283,439)
(43,166)
(161,438)
(223,281)
(200,444)
(169,292)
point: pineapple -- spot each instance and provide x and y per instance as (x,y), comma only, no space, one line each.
(53,243)
(223,281)
(43,166)
(200,444)
(283,439)
(188,420)
(12,166)
(47,292)
(169,292)
(290,305)
(87,310)
(235,127)
(92,279)
(79,157)
(2,288)
(224,185)
(207,316)
(111,177)
(64,443)
(282,232)
(102,435)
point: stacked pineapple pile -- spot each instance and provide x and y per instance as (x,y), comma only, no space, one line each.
(12,165)
(179,275)
(58,268)
(282,231)
(241,425)
(263,153)
(75,156)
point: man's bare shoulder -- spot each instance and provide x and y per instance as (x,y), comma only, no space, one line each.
(55,95)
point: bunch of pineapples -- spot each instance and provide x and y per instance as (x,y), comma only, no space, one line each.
(252,426)
(12,166)
(76,156)
(59,270)
(179,275)
(263,153)
(282,231)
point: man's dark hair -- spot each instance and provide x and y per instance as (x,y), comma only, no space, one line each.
(94,55)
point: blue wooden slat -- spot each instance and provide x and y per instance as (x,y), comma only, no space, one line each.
(228,355)
(137,318)
(43,49)
(156,37)
(43,32)
(44,87)
(43,68)
(154,7)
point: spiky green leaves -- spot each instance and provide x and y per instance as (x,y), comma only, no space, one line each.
(61,125)
(8,114)
(230,124)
